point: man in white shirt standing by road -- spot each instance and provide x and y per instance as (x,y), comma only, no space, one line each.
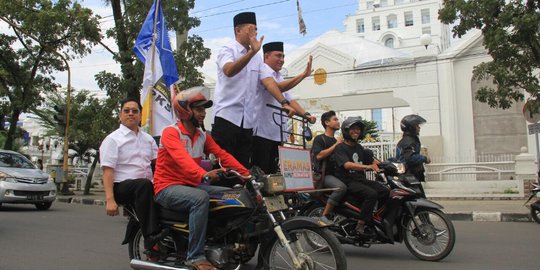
(126,156)
(238,77)
(267,136)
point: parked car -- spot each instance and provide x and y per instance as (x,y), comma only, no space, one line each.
(22,182)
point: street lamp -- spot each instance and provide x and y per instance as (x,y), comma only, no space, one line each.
(425,40)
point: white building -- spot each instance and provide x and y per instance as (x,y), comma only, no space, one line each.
(355,71)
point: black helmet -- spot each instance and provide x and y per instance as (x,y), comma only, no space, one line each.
(409,122)
(348,123)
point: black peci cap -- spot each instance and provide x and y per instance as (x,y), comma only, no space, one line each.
(245,17)
(273,46)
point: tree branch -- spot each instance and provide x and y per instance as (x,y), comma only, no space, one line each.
(115,54)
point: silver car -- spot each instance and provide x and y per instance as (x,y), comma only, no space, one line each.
(22,182)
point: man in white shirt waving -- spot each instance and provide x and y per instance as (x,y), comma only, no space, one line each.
(267,135)
(238,77)
(126,156)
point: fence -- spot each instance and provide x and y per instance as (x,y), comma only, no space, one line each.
(382,150)
(481,167)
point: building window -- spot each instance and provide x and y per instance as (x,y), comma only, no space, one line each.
(369,5)
(360,28)
(384,3)
(376,22)
(426,30)
(391,20)
(409,18)
(398,2)
(389,42)
(425,16)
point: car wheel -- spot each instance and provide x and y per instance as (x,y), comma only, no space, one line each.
(43,205)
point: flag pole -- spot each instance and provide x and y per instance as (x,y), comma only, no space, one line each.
(151,90)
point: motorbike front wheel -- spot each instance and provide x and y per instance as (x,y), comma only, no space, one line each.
(329,255)
(434,237)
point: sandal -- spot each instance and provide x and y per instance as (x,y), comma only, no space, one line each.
(202,265)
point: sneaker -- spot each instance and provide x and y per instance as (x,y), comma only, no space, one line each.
(324,221)
(152,254)
(151,241)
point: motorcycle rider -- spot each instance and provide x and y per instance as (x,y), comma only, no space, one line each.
(408,148)
(322,150)
(125,157)
(352,161)
(180,182)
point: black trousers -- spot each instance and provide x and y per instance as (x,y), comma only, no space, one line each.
(265,154)
(140,194)
(233,139)
(369,192)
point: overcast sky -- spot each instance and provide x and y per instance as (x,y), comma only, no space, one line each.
(277,21)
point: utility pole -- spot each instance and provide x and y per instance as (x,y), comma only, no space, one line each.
(65,167)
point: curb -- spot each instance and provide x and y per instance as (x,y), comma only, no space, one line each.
(79,200)
(455,216)
(489,216)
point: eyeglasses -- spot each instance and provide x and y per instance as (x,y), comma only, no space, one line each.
(135,111)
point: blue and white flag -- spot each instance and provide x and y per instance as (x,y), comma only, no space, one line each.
(159,72)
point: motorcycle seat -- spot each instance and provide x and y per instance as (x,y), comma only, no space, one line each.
(172,215)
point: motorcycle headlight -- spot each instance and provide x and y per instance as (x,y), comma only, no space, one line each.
(7,178)
(400,167)
(274,184)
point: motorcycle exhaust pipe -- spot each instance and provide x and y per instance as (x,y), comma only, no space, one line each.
(138,264)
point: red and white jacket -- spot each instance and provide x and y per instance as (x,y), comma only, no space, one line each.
(180,154)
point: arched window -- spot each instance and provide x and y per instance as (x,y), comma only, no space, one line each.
(389,42)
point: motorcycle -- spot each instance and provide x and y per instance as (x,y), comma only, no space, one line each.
(240,221)
(535,207)
(406,217)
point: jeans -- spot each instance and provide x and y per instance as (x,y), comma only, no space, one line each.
(196,200)
(370,192)
(335,198)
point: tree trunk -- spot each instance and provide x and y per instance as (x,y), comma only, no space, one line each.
(125,55)
(2,120)
(90,175)
(10,138)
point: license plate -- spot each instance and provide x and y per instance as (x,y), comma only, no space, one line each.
(275,203)
(34,197)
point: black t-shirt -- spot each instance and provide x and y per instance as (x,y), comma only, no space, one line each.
(351,153)
(320,143)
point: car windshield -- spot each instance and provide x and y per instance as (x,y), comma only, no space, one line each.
(15,161)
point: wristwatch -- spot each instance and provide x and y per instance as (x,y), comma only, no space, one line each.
(206,180)
(307,115)
(285,101)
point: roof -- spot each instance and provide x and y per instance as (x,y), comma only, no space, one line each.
(363,51)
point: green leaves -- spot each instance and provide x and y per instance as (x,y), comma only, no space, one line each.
(41,35)
(511,32)
(129,16)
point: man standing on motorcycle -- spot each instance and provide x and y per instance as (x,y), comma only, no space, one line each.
(181,184)
(266,135)
(408,148)
(237,77)
(322,150)
(125,157)
(352,162)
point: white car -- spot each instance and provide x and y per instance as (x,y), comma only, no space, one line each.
(22,182)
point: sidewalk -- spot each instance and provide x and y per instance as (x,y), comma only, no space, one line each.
(458,209)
